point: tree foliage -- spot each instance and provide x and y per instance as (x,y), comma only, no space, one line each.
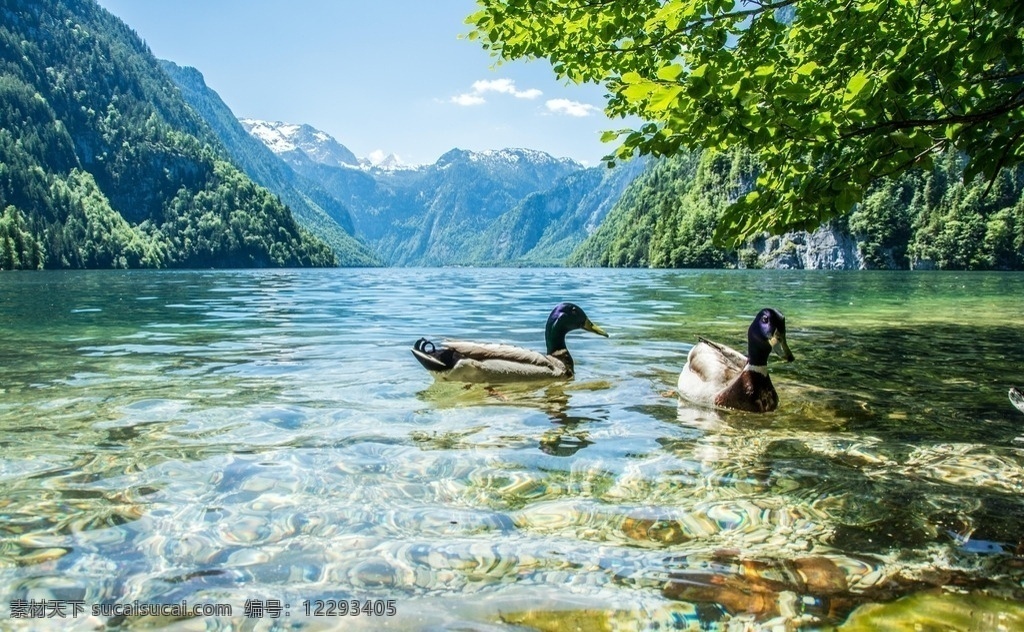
(829,96)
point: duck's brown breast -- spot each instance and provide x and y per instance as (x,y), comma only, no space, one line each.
(750,391)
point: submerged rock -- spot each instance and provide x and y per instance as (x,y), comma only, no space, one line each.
(937,610)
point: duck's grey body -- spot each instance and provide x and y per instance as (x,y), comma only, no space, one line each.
(482,362)
(490,362)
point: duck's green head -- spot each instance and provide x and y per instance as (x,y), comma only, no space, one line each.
(564,318)
(767,334)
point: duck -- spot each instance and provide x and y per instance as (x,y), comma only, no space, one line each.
(1017,399)
(720,377)
(492,362)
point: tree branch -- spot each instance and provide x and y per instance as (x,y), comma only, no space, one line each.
(1006,108)
(912,161)
(689,26)
(1002,161)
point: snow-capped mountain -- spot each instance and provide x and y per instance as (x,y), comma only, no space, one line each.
(385,162)
(300,144)
(469,207)
(291,141)
(508,158)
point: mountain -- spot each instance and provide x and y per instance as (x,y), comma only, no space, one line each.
(301,142)
(447,206)
(546,227)
(104,164)
(385,162)
(313,207)
(437,214)
(667,216)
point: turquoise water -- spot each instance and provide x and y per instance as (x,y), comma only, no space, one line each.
(217,437)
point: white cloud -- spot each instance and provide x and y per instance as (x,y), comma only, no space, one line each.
(504,86)
(468,99)
(571,108)
(531,93)
(501,86)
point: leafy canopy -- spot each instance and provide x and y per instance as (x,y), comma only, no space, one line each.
(829,95)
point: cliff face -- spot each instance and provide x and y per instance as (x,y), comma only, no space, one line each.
(828,248)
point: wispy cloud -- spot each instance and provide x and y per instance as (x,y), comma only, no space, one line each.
(571,108)
(501,86)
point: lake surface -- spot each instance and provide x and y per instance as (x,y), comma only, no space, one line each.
(266,436)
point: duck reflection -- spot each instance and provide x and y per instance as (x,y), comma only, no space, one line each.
(568,434)
(565,439)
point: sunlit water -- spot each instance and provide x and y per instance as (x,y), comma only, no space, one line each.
(218,437)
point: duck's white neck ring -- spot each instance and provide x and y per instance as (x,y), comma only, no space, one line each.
(756,368)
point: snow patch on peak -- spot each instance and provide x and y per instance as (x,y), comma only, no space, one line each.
(510,156)
(275,135)
(378,160)
(314,144)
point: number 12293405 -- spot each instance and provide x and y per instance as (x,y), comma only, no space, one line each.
(349,608)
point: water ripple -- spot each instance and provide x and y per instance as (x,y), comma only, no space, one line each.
(233,435)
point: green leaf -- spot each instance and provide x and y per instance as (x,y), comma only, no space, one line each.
(670,73)
(638,91)
(807,68)
(697,88)
(664,98)
(902,139)
(857,84)
(899,83)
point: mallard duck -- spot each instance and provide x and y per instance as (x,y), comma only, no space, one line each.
(1017,399)
(480,362)
(716,375)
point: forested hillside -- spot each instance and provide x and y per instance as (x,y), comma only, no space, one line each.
(102,164)
(922,219)
(547,226)
(313,207)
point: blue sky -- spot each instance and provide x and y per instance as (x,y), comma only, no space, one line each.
(389,75)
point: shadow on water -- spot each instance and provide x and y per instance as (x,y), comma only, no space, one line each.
(785,523)
(934,381)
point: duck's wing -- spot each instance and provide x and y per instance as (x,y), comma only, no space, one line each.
(483,361)
(483,352)
(716,362)
(710,368)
